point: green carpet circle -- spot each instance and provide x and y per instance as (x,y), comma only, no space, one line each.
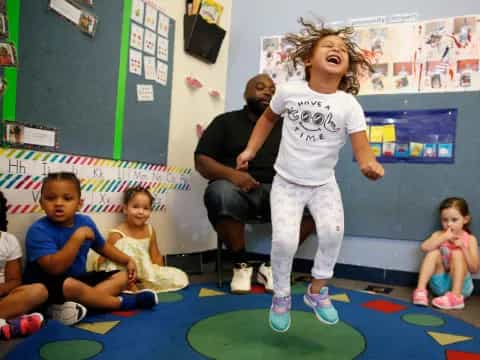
(299,288)
(169,297)
(423,320)
(245,334)
(70,349)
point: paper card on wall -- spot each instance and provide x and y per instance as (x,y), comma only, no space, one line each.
(389,133)
(430,150)
(388,149)
(163,25)
(136,37)
(150,69)
(151,18)
(162,48)
(162,73)
(376,134)
(416,149)
(377,149)
(138,9)
(445,150)
(144,92)
(149,42)
(135,62)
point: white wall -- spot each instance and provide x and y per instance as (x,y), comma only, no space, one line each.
(184,226)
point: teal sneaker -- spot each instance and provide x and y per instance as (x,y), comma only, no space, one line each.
(321,306)
(279,316)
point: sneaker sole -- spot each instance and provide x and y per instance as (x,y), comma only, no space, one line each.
(149,291)
(56,310)
(420,304)
(278,330)
(311,306)
(456,307)
(241,292)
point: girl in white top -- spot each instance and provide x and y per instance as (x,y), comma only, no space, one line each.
(318,116)
(16,299)
(137,239)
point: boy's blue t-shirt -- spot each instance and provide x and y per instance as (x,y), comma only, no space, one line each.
(45,237)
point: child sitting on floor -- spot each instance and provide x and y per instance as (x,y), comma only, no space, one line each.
(451,256)
(57,247)
(137,239)
(16,299)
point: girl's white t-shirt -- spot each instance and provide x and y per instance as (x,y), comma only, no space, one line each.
(9,250)
(315,128)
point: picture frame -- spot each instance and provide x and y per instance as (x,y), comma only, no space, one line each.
(16,134)
(3,25)
(8,54)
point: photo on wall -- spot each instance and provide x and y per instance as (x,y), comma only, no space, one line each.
(8,54)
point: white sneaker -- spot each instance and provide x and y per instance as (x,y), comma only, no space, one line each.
(264,277)
(68,313)
(242,279)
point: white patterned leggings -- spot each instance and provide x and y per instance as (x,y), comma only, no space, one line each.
(287,201)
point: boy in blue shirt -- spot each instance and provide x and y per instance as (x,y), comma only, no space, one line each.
(57,247)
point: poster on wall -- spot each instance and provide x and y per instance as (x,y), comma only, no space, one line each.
(103,181)
(441,55)
(414,136)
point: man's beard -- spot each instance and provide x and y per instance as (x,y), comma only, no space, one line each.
(256,106)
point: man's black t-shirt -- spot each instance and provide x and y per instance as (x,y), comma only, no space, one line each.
(227,136)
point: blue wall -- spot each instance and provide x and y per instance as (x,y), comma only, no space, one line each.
(254,19)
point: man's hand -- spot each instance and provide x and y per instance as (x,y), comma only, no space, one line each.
(131,271)
(372,170)
(244,181)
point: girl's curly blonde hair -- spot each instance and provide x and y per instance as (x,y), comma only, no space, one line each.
(304,43)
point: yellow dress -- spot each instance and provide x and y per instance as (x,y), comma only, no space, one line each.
(151,276)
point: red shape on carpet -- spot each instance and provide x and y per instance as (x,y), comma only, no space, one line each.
(126,313)
(257,289)
(460,355)
(384,306)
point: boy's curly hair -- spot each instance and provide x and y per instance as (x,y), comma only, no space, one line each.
(305,42)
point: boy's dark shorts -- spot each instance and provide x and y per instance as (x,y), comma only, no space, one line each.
(54,283)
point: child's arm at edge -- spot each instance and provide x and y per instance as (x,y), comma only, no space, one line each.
(155,254)
(368,164)
(13,276)
(262,129)
(111,252)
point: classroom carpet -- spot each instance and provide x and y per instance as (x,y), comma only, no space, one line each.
(204,322)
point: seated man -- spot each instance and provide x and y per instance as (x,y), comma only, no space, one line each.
(234,197)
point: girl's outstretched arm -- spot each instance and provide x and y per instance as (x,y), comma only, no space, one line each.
(155,254)
(368,164)
(262,129)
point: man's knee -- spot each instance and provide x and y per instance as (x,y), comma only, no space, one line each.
(221,192)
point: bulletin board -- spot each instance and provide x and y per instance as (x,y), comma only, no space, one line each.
(82,85)
(404,204)
(413,136)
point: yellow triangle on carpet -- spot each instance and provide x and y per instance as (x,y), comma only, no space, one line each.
(447,339)
(209,292)
(98,327)
(340,297)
